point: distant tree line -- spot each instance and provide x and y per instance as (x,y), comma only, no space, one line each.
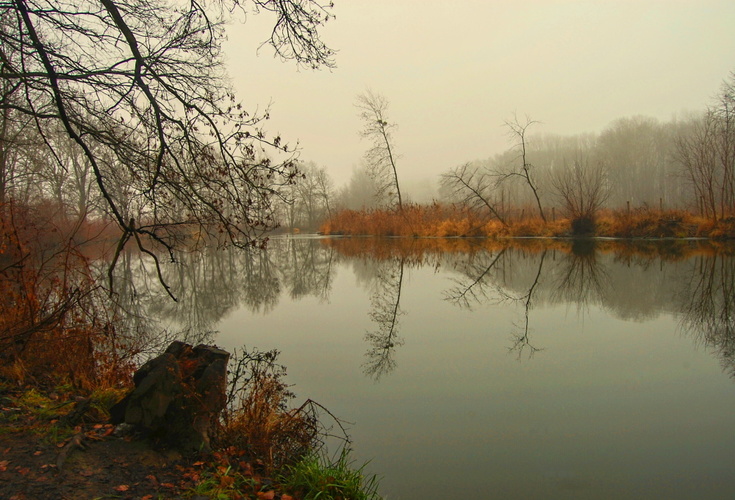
(686,163)
(636,162)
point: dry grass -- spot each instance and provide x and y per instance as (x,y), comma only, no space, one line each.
(437,220)
(263,428)
(259,418)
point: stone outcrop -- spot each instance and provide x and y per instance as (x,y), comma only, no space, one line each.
(178,396)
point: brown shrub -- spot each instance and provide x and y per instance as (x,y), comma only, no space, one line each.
(54,326)
(259,419)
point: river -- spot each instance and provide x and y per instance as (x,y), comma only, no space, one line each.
(480,369)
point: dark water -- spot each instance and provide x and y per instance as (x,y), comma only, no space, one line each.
(478,370)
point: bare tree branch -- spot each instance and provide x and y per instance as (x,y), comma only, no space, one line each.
(139,87)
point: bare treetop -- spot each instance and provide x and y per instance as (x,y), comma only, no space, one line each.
(517,130)
(295,35)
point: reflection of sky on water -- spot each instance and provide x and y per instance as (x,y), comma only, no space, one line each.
(610,408)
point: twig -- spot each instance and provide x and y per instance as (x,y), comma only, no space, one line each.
(75,442)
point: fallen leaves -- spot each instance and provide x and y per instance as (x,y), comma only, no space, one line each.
(226,481)
(234,475)
(87,472)
(100,431)
(246,468)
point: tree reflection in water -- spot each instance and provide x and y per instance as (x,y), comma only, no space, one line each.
(486,280)
(385,309)
(582,278)
(132,304)
(708,305)
(477,286)
(631,280)
(521,342)
(213,282)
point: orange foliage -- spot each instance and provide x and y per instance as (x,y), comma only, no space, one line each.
(435,220)
(53,323)
(414,220)
(648,223)
(438,220)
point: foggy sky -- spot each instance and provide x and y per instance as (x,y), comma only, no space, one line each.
(454,71)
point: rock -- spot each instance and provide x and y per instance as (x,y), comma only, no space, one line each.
(178,396)
(123,429)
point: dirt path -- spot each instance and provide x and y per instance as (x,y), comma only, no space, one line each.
(108,467)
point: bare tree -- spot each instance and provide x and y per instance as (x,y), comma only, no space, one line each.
(474,187)
(584,189)
(309,201)
(707,155)
(381,157)
(138,86)
(696,154)
(724,110)
(518,131)
(634,148)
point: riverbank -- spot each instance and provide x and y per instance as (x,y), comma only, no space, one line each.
(58,443)
(438,220)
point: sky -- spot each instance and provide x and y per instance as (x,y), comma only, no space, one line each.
(455,71)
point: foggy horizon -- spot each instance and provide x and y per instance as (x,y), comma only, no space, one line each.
(454,73)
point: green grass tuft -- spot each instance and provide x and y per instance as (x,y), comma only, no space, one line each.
(315,478)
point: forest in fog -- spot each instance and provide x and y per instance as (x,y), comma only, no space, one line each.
(686,163)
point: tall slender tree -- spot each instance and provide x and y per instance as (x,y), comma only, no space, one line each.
(381,156)
(517,130)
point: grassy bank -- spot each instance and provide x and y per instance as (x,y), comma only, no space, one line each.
(438,220)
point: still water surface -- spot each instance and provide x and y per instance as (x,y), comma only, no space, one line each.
(471,369)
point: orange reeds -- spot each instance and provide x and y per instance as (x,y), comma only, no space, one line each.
(438,220)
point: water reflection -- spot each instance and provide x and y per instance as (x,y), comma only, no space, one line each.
(583,279)
(632,280)
(521,340)
(478,283)
(213,282)
(385,310)
(708,305)
(486,279)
